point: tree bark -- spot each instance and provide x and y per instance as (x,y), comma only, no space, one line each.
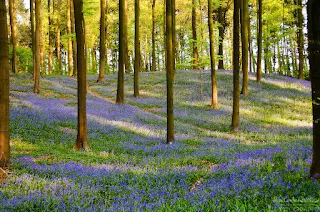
(259,71)
(221,20)
(50,38)
(137,56)
(314,61)
(36,88)
(102,41)
(13,20)
(41,41)
(153,67)
(245,46)
(194,36)
(125,37)
(300,40)
(81,142)
(33,37)
(236,78)
(214,91)
(74,41)
(121,66)
(4,88)
(58,38)
(70,62)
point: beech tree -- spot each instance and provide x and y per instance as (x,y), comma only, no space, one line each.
(13,20)
(121,66)
(70,51)
(300,39)
(137,53)
(314,60)
(81,142)
(259,36)
(245,45)
(153,66)
(194,36)
(36,88)
(4,88)
(102,41)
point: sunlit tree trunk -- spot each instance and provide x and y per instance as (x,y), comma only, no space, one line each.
(259,70)
(125,38)
(221,20)
(121,66)
(137,56)
(102,41)
(214,91)
(300,40)
(70,62)
(153,67)
(169,69)
(58,37)
(36,88)
(236,78)
(314,60)
(194,36)
(245,45)
(4,88)
(74,41)
(50,55)
(81,142)
(13,20)
(42,64)
(33,44)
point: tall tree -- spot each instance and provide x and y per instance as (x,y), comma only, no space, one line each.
(58,36)
(33,37)
(153,66)
(314,61)
(170,68)
(300,40)
(74,42)
(41,41)
(4,87)
(245,45)
(137,56)
(121,66)
(81,142)
(13,20)
(194,36)
(259,36)
(236,78)
(36,88)
(102,41)
(214,91)
(70,50)
(125,37)
(50,55)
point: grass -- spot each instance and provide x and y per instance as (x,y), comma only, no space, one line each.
(129,167)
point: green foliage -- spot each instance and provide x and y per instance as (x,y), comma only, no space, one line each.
(24,55)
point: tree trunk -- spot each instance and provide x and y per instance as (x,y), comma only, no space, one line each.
(42,65)
(121,66)
(245,46)
(153,36)
(4,88)
(194,36)
(50,38)
(74,41)
(221,37)
(170,69)
(214,91)
(33,37)
(125,38)
(236,78)
(70,62)
(300,40)
(58,39)
(259,71)
(81,143)
(250,45)
(137,59)
(36,88)
(13,20)
(102,41)
(314,60)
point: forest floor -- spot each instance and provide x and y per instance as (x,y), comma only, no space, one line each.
(129,167)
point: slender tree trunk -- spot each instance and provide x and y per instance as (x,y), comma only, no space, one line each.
(33,38)
(36,88)
(153,36)
(81,142)
(170,69)
(221,37)
(259,71)
(300,40)
(214,91)
(50,38)
(314,55)
(70,62)
(250,45)
(102,41)
(236,78)
(4,88)
(174,43)
(13,20)
(245,46)
(58,39)
(42,64)
(121,68)
(194,36)
(74,41)
(164,34)
(137,59)
(125,37)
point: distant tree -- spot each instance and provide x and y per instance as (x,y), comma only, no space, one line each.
(81,142)
(125,37)
(259,36)
(74,42)
(153,66)
(245,45)
(13,20)
(314,60)
(194,36)
(214,92)
(58,36)
(50,33)
(170,68)
(102,41)
(69,30)
(300,39)
(36,88)
(236,78)
(33,40)
(121,66)
(41,39)
(4,88)
(137,56)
